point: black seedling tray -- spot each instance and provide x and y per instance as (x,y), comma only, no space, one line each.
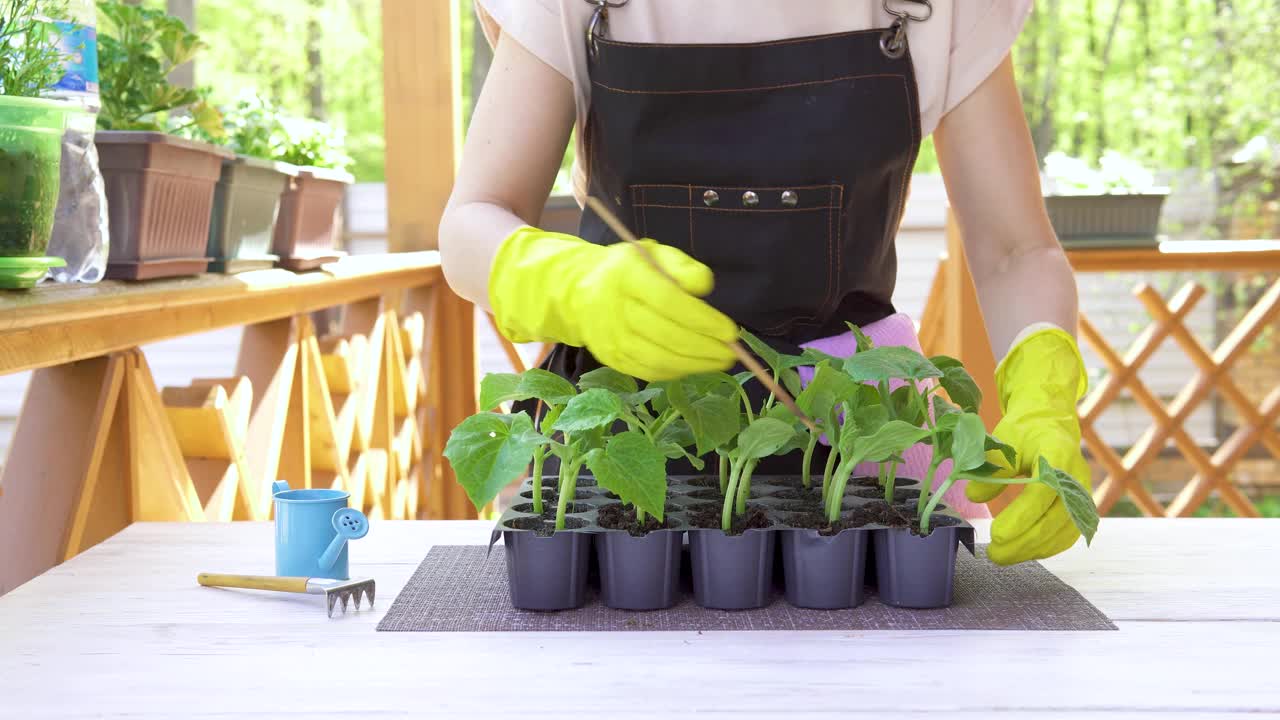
(549,571)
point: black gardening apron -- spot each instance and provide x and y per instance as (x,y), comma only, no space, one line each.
(782,165)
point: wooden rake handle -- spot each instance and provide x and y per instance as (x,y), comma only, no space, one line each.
(746,358)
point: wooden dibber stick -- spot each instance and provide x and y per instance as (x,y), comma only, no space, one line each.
(746,358)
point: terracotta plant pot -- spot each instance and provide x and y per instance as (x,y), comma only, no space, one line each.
(160,200)
(306,232)
(245,206)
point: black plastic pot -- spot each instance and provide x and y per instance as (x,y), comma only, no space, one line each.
(914,571)
(824,572)
(732,572)
(547,572)
(640,573)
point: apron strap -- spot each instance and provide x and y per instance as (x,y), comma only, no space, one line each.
(893,42)
(599,25)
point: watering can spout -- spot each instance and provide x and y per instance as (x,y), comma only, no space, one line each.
(351,524)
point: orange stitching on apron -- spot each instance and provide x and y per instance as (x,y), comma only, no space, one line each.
(746,89)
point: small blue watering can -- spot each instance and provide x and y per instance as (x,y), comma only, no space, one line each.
(312,530)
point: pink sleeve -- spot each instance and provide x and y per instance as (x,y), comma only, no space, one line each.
(535,24)
(983,33)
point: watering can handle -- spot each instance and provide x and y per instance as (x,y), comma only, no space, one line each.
(330,554)
(279,486)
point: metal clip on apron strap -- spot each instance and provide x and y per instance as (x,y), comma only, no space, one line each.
(599,25)
(893,43)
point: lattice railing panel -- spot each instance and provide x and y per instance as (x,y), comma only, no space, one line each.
(1123,474)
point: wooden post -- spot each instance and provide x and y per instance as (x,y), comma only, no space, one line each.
(422,101)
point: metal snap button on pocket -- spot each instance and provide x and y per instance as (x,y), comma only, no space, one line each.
(710,197)
(790,199)
(750,199)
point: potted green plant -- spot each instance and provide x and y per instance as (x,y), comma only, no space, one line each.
(1116,204)
(306,233)
(160,186)
(30,142)
(246,202)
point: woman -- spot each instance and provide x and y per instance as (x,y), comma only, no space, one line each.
(767,148)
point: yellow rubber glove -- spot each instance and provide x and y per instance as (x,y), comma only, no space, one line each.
(1040,381)
(547,287)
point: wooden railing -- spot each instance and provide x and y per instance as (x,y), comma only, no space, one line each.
(952,324)
(98,445)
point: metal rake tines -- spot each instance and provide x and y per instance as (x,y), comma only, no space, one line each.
(345,592)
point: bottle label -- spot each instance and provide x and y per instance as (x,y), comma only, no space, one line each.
(80,44)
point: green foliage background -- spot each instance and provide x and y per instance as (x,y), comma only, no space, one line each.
(1175,83)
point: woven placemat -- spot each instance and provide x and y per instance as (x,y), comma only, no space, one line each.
(458,589)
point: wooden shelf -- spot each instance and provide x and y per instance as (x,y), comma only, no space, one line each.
(1182,255)
(61,324)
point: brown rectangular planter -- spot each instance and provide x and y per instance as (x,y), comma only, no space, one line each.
(159,200)
(306,232)
(1117,219)
(245,207)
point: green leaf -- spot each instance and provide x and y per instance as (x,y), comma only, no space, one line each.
(864,343)
(633,469)
(1075,498)
(606,378)
(905,406)
(546,386)
(641,397)
(763,438)
(772,358)
(942,408)
(595,408)
(489,451)
(959,385)
(828,389)
(968,443)
(994,443)
(713,419)
(866,420)
(891,362)
(498,388)
(812,356)
(889,440)
(744,377)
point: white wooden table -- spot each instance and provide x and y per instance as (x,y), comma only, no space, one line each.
(123,630)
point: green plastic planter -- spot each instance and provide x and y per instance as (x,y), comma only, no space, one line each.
(246,204)
(30,168)
(306,233)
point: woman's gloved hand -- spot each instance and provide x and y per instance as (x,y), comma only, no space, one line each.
(546,287)
(1040,381)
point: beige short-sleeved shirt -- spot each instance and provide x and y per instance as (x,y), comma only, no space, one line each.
(954,51)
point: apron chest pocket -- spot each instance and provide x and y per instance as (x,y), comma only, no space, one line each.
(775,251)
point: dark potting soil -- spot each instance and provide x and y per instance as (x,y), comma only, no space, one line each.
(543,527)
(904,516)
(863,482)
(705,481)
(618,517)
(899,495)
(812,493)
(801,506)
(551,497)
(707,494)
(707,516)
(549,508)
(814,520)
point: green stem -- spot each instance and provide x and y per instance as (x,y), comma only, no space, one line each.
(568,486)
(639,516)
(663,420)
(726,513)
(933,503)
(886,399)
(926,485)
(746,402)
(836,492)
(833,436)
(724,473)
(890,479)
(744,485)
(806,475)
(539,455)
